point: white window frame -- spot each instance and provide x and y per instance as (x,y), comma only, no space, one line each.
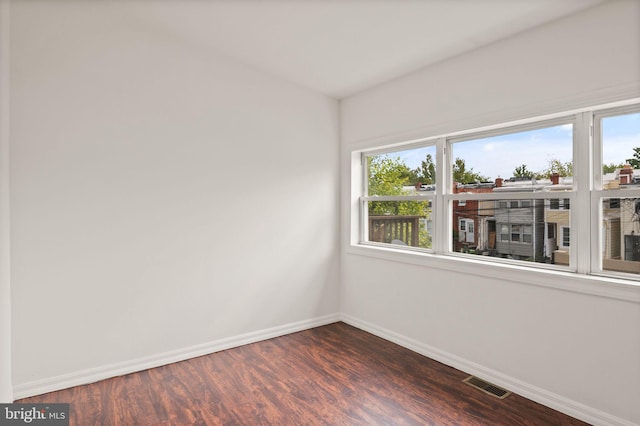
(363,238)
(597,194)
(517,197)
(584,275)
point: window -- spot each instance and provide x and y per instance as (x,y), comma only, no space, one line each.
(515,233)
(539,162)
(504,232)
(527,233)
(399,197)
(617,191)
(515,194)
(566,237)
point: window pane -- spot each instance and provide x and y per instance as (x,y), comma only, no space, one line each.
(402,172)
(621,151)
(541,157)
(566,237)
(404,223)
(528,232)
(621,235)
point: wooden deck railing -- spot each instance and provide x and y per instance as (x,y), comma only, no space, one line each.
(385,229)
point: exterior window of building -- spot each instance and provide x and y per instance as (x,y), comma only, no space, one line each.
(504,232)
(554,204)
(515,233)
(566,237)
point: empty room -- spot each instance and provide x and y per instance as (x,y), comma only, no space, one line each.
(347,212)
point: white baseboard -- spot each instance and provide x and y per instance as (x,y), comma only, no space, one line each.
(118,369)
(541,396)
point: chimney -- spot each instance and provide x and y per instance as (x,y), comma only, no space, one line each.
(555,178)
(499,182)
(626,174)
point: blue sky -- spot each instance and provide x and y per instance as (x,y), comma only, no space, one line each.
(500,155)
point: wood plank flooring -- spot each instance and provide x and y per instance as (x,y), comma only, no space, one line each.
(331,375)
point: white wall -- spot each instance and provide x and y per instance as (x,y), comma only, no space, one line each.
(577,352)
(6,392)
(162,197)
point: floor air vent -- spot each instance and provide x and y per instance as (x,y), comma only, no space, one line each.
(487,387)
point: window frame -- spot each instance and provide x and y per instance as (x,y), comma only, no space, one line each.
(580,197)
(512,197)
(598,194)
(365,199)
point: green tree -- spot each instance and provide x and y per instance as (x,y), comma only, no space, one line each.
(462,175)
(635,161)
(611,167)
(556,166)
(389,176)
(426,172)
(522,172)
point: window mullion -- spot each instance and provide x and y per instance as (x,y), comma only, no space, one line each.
(442,217)
(580,253)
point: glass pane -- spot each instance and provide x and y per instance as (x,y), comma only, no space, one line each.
(621,151)
(541,157)
(519,231)
(405,172)
(404,223)
(621,235)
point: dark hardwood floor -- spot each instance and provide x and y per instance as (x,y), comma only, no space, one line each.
(331,375)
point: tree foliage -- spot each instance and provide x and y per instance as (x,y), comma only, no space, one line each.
(611,167)
(522,172)
(556,166)
(635,161)
(462,175)
(426,172)
(389,176)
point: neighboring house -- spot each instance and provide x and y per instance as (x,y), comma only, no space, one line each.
(470,219)
(621,223)
(630,229)
(520,226)
(557,218)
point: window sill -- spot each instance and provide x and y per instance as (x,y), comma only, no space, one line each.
(610,287)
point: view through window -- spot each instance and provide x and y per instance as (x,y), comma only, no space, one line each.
(529,176)
(404,179)
(512,194)
(620,215)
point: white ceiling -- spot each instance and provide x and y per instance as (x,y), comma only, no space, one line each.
(339,47)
